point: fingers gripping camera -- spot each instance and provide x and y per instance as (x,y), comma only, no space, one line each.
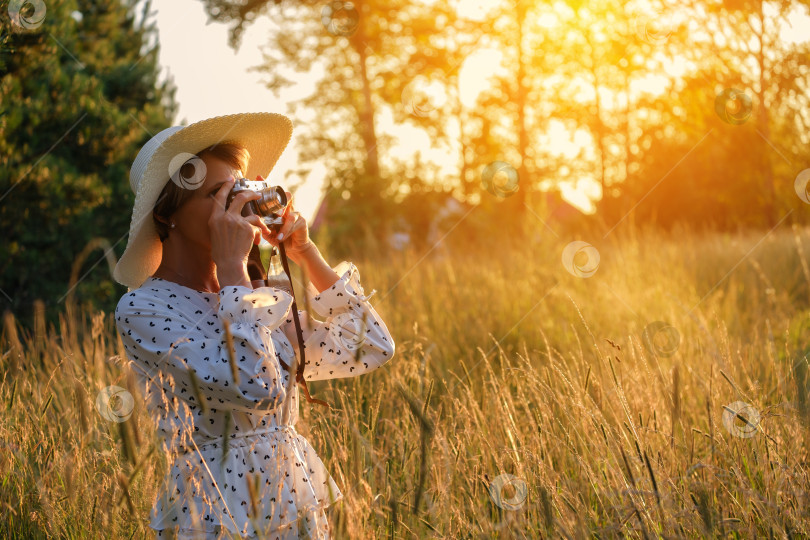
(270,206)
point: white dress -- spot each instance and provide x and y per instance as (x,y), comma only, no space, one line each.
(173,335)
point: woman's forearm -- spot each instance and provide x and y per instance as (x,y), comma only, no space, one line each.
(318,270)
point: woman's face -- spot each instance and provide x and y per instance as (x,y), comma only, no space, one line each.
(191,219)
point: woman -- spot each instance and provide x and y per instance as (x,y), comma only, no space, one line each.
(210,350)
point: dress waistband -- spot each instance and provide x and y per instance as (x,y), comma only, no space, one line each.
(236,440)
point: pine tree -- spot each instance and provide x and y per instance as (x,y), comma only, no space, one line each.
(80,96)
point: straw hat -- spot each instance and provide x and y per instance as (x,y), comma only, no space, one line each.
(264,135)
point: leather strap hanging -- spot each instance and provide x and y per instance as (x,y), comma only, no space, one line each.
(257,272)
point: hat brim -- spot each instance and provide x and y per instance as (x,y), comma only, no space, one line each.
(264,135)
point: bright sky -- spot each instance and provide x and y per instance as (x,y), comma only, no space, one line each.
(212,79)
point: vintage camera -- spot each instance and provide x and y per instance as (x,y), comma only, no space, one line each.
(269,207)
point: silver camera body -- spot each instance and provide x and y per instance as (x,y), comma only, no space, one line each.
(269,207)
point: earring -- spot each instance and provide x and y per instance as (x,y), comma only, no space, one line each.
(172,225)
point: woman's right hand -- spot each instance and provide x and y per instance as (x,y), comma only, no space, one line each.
(233,235)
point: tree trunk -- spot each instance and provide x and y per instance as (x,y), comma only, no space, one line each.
(525,181)
(464,166)
(599,126)
(367,110)
(763,125)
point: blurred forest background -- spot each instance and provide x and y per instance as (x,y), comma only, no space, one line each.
(681,114)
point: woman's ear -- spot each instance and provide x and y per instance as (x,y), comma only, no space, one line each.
(161,219)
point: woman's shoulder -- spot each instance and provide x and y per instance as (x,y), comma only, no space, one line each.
(151,292)
(156,294)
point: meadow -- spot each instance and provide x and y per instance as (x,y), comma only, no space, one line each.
(664,396)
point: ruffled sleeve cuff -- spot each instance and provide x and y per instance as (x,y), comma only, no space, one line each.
(347,292)
(263,306)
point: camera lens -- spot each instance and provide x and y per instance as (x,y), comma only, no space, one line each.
(273,201)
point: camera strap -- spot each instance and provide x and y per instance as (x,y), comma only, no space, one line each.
(255,259)
(299,373)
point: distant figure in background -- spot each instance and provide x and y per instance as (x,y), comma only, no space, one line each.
(237,462)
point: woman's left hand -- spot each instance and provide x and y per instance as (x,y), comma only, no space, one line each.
(294,230)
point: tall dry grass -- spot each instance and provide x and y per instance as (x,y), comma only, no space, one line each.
(506,364)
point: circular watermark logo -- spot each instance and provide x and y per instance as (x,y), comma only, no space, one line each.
(580,259)
(422,96)
(115,403)
(500,179)
(654,28)
(800,185)
(741,419)
(26,15)
(733,106)
(348,330)
(661,339)
(340,18)
(187,171)
(790,484)
(511,506)
(508,492)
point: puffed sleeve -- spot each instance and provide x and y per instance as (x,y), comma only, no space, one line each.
(162,339)
(353,339)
